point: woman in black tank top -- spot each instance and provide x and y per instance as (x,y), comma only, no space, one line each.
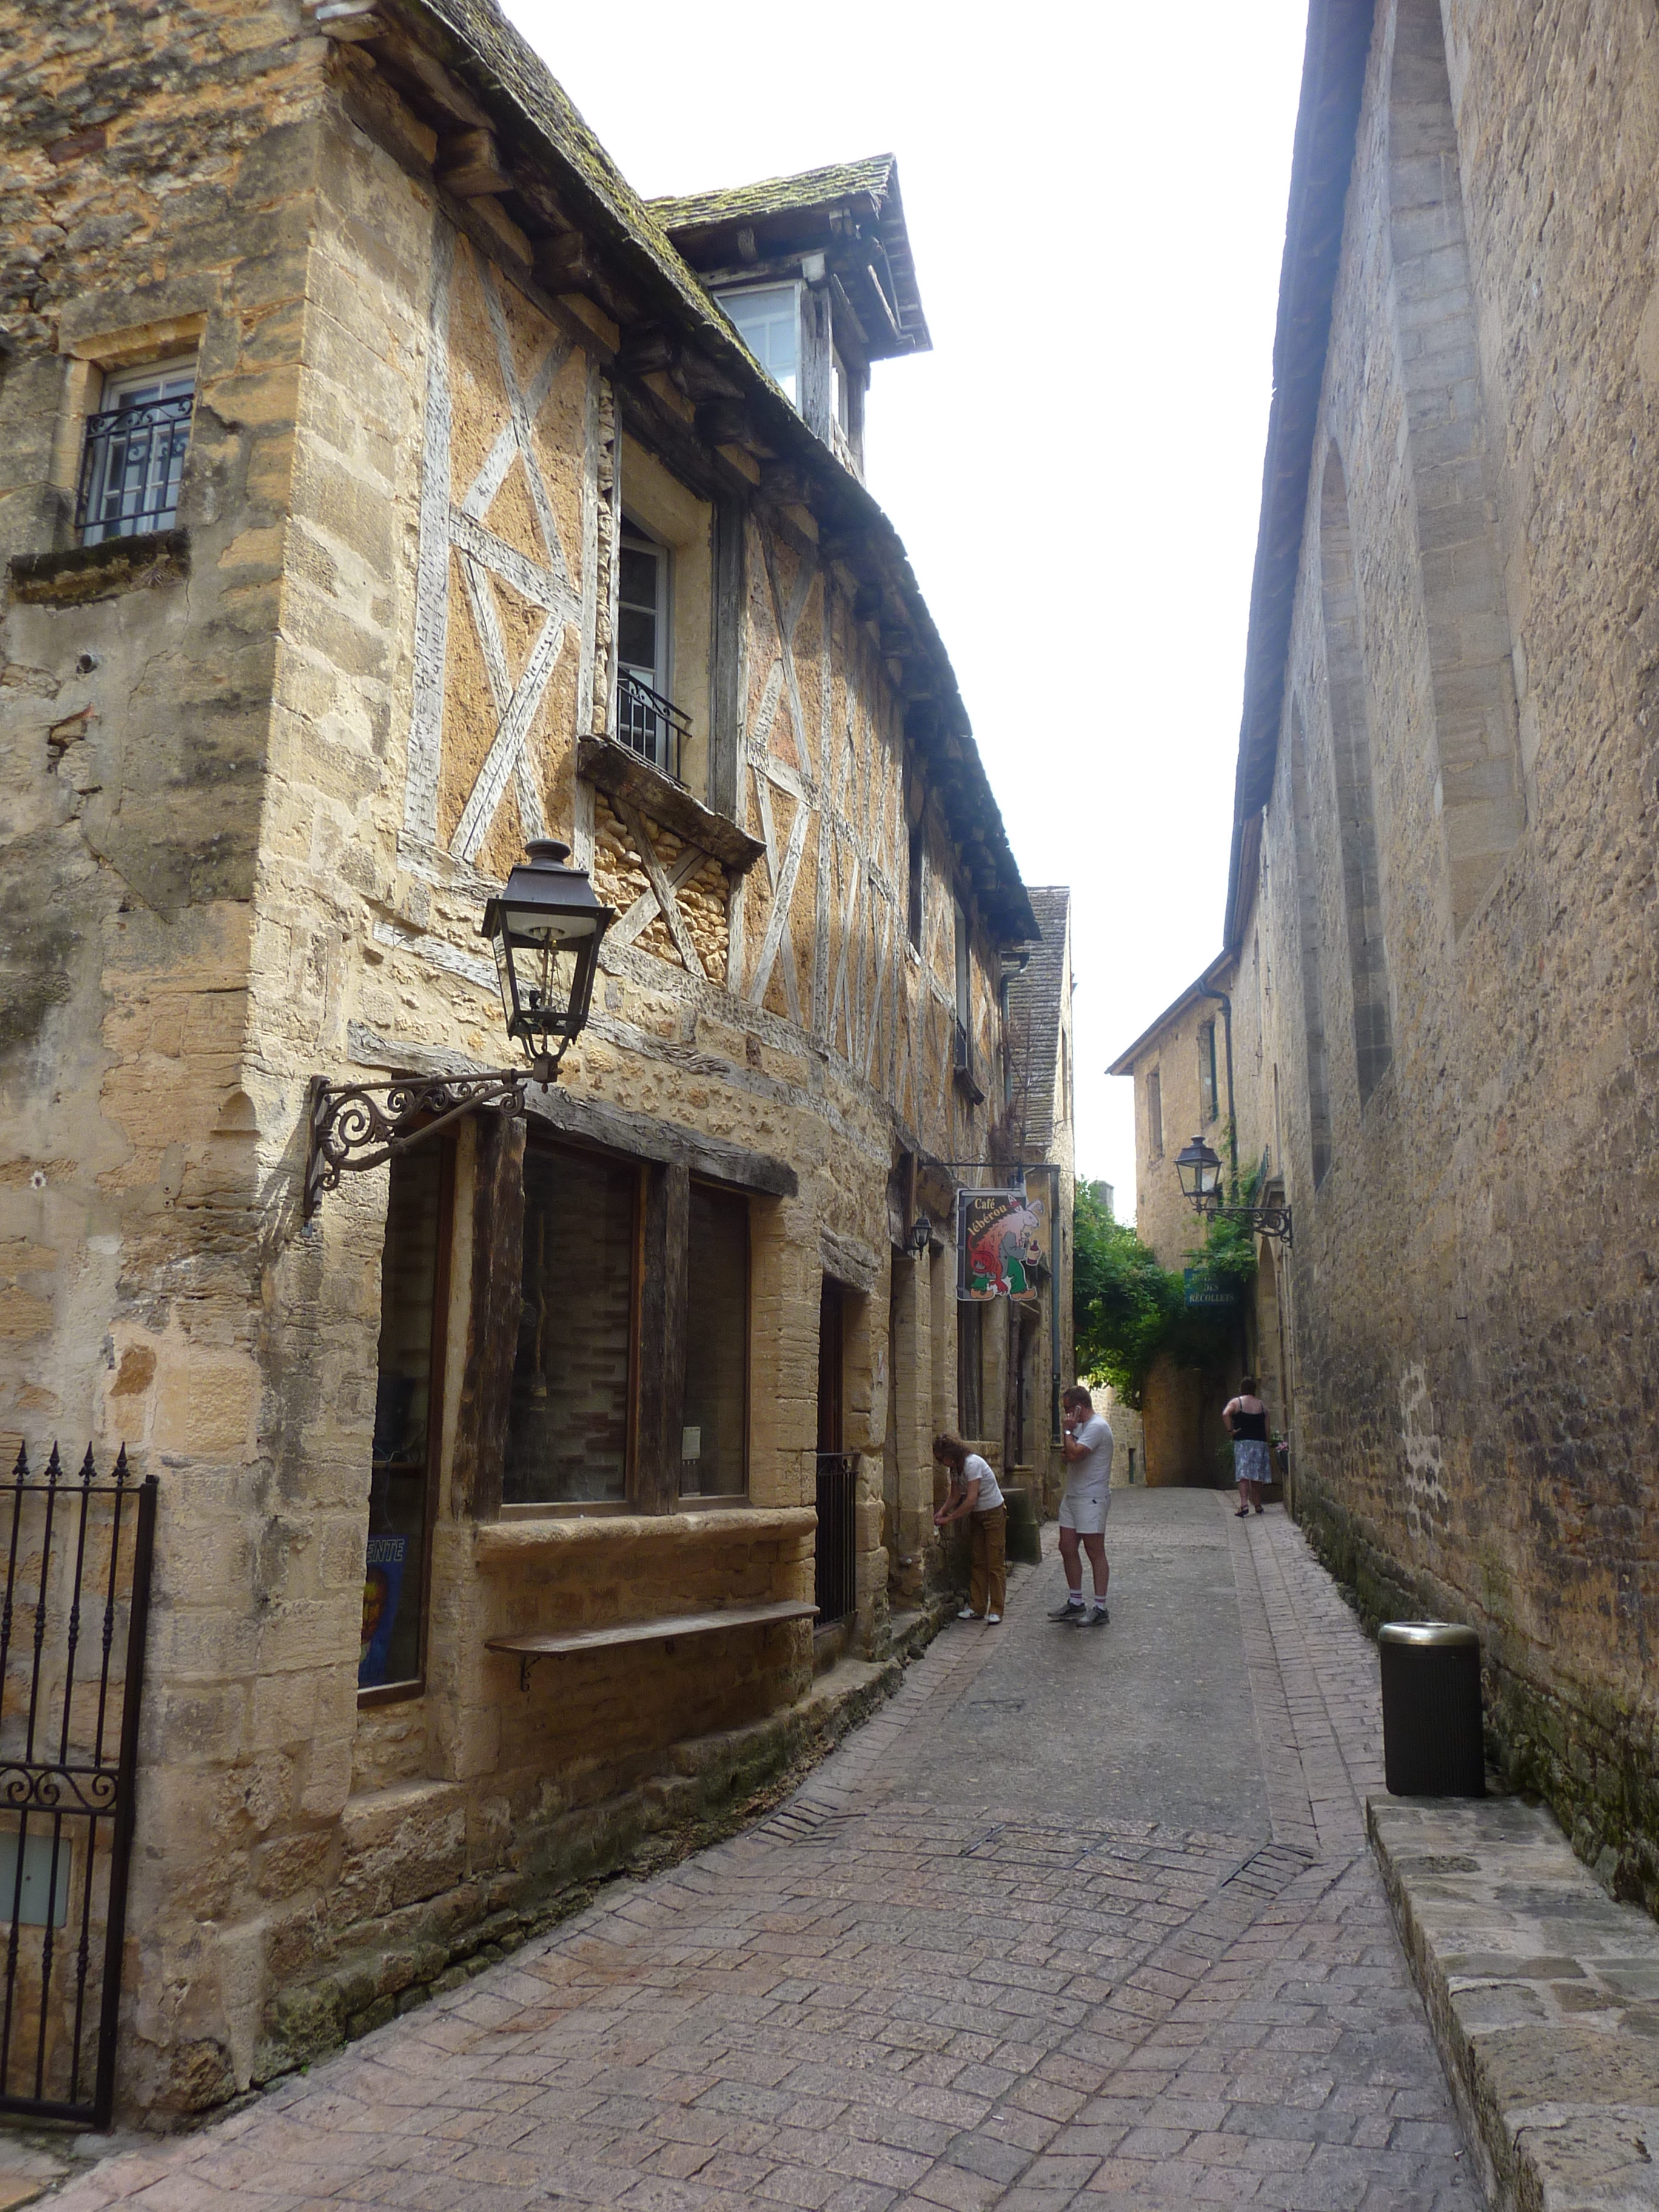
(1246,1424)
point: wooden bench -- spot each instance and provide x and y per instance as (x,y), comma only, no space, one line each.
(526,1650)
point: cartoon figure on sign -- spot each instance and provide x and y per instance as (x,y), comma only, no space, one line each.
(383,1583)
(1002,1250)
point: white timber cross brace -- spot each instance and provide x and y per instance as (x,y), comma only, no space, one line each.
(462,528)
(770,772)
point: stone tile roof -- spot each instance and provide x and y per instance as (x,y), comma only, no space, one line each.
(1332,79)
(1036,997)
(503,67)
(788,204)
(810,188)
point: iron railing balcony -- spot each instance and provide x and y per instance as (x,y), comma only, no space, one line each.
(130,469)
(649,725)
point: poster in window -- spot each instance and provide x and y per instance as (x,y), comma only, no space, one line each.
(1002,1244)
(383,1586)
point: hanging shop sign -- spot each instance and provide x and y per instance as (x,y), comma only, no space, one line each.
(1002,1244)
(1203,1290)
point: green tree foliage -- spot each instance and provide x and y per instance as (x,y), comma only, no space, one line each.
(1125,1306)
(1127,1309)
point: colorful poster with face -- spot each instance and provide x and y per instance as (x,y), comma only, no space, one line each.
(1002,1243)
(383,1586)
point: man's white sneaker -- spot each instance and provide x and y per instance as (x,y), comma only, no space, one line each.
(993,1619)
(967,1613)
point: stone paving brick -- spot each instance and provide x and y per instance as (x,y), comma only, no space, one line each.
(873,1999)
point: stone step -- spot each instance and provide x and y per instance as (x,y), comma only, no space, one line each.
(1543,1994)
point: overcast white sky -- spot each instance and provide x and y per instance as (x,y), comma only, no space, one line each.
(1096,195)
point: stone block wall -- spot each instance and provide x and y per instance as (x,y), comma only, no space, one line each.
(1472,1289)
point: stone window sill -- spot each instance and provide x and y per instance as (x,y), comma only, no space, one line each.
(501,1546)
(83,572)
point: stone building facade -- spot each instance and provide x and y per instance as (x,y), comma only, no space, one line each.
(1039,1073)
(381,486)
(1440,922)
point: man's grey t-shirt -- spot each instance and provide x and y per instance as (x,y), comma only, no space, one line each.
(1094,1473)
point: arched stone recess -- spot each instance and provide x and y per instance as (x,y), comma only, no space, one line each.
(1356,802)
(1479,794)
(1307,925)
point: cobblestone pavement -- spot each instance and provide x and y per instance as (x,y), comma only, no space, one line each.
(985,1957)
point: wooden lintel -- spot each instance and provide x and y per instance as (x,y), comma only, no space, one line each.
(642,1136)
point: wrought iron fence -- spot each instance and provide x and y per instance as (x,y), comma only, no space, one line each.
(130,469)
(72,1628)
(835,1573)
(652,726)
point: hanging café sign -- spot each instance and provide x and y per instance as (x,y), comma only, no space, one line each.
(1002,1244)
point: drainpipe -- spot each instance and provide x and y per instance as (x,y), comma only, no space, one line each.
(1232,1118)
(1232,1143)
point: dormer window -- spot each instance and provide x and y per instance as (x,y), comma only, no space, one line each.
(767,319)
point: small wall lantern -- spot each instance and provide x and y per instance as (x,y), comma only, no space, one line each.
(546,927)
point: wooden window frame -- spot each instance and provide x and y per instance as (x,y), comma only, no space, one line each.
(702,1500)
(666,1156)
(397,1693)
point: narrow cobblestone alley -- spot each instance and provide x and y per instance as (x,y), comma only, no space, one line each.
(1080,1915)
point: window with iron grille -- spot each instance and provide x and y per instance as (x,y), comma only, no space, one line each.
(648,721)
(134,455)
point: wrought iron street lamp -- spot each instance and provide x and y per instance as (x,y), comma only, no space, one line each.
(1200,1171)
(920,1237)
(546,925)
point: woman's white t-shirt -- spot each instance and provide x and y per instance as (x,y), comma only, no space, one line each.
(975,1469)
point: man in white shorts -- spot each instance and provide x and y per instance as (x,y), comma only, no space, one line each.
(1087,1445)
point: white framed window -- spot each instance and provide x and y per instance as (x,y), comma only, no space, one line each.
(648,721)
(642,612)
(767,319)
(134,455)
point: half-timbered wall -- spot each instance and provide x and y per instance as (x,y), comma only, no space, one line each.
(395,661)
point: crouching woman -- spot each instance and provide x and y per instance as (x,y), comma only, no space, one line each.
(975,1497)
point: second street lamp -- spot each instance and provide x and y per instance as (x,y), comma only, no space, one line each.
(1200,1171)
(546,925)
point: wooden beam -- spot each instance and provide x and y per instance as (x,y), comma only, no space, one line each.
(724,423)
(494,1308)
(403,57)
(642,1136)
(472,165)
(646,350)
(665,1288)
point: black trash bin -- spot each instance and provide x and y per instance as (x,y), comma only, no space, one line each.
(1431,1740)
